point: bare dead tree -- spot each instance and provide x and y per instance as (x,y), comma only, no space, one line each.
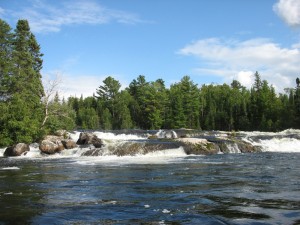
(51,87)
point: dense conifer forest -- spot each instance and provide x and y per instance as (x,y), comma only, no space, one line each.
(27,111)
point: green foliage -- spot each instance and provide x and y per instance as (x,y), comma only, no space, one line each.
(61,116)
(150,105)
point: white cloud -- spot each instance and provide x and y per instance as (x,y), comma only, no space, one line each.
(85,85)
(245,78)
(46,17)
(233,59)
(77,85)
(289,11)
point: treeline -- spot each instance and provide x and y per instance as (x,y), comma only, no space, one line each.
(28,110)
(150,105)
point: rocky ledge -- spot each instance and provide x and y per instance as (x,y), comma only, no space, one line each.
(192,143)
(198,146)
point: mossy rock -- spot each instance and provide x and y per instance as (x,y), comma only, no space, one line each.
(201,148)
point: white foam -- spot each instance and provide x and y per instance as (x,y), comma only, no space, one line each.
(166,211)
(112,136)
(33,152)
(157,157)
(2,150)
(10,168)
(108,136)
(274,143)
(280,145)
(74,135)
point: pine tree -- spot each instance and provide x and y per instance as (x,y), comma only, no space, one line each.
(5,73)
(5,58)
(108,94)
(24,88)
(137,89)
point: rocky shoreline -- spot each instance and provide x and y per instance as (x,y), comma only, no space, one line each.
(197,143)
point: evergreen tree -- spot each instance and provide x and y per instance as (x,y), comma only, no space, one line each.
(114,111)
(23,88)
(297,105)
(124,120)
(5,73)
(5,59)
(176,117)
(185,104)
(137,89)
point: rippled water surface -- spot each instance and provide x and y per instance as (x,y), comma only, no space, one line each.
(221,189)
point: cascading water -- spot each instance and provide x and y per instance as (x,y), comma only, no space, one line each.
(166,134)
(233,148)
(285,141)
(138,144)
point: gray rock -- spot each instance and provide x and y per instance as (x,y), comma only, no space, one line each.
(88,139)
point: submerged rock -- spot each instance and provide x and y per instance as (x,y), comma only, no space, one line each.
(93,152)
(132,148)
(69,143)
(17,150)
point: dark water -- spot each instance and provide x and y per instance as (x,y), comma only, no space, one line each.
(222,189)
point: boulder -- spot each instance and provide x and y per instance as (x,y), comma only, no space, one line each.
(17,150)
(51,144)
(88,139)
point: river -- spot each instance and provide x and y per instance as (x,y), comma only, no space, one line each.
(166,187)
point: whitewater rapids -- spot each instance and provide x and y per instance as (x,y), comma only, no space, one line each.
(287,141)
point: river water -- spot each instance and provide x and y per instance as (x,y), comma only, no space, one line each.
(166,187)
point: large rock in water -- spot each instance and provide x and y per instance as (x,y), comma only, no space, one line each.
(17,150)
(88,139)
(50,147)
(69,143)
(53,144)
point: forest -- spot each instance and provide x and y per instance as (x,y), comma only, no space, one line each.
(28,111)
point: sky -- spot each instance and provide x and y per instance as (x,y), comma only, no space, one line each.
(212,41)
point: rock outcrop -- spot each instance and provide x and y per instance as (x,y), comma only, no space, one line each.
(17,150)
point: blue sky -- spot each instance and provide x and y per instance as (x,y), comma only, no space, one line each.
(212,41)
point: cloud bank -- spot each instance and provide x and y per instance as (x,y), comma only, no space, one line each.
(289,11)
(45,18)
(234,59)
